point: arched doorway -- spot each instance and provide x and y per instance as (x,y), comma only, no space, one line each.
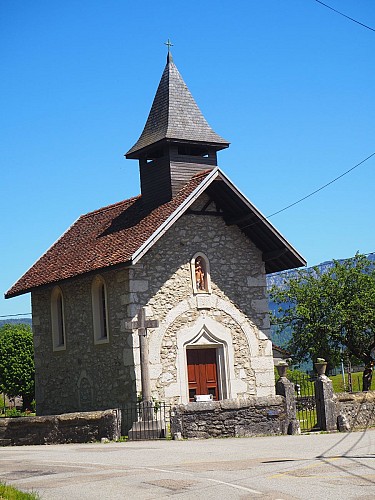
(206,365)
(202,369)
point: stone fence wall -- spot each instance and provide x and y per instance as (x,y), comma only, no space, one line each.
(230,418)
(355,411)
(57,429)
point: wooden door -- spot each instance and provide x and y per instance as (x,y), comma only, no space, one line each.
(202,372)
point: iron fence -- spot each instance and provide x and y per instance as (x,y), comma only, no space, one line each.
(146,420)
(305,401)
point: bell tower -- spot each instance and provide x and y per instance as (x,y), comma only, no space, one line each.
(176,142)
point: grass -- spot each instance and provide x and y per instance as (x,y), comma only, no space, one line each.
(307,419)
(13,412)
(338,385)
(307,385)
(10,493)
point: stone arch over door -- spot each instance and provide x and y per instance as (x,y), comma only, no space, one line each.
(207,333)
(169,378)
(250,331)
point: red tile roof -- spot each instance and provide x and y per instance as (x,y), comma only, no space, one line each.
(104,238)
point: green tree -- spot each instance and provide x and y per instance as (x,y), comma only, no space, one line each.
(330,312)
(17,362)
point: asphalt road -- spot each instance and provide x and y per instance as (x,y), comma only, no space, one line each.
(320,466)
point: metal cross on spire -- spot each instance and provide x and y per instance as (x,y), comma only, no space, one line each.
(169,44)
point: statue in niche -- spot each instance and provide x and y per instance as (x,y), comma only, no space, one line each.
(199,274)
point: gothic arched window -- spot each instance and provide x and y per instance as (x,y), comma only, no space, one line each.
(200,273)
(57,317)
(99,310)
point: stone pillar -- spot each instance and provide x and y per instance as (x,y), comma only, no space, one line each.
(325,404)
(147,405)
(285,387)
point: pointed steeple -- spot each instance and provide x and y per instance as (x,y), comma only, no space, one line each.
(176,142)
(175,116)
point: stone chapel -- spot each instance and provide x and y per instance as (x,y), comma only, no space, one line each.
(191,249)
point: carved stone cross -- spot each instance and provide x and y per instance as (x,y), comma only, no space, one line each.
(141,325)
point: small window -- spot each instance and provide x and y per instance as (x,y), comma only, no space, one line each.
(58,322)
(100,311)
(200,273)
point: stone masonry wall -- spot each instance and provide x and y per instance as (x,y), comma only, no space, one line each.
(88,376)
(251,417)
(68,428)
(85,376)
(162,282)
(355,411)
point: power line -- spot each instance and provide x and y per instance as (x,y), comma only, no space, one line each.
(344,15)
(311,194)
(13,315)
(322,187)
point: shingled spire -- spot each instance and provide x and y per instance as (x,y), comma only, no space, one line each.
(176,142)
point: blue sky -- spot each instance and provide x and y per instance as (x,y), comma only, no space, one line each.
(289,83)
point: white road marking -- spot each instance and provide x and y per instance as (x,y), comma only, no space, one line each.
(87,465)
(238,487)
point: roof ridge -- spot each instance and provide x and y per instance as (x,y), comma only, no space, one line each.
(110,207)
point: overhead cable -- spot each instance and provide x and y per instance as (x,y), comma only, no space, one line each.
(322,187)
(344,15)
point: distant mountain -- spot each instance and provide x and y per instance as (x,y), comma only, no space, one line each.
(15,321)
(278,279)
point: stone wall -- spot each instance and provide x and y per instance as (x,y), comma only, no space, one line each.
(237,303)
(355,411)
(84,376)
(59,429)
(234,318)
(230,418)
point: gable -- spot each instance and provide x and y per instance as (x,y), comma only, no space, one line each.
(122,233)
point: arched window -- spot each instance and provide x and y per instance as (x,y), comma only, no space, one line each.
(200,273)
(100,310)
(57,317)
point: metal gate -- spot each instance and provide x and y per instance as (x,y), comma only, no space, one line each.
(305,401)
(145,421)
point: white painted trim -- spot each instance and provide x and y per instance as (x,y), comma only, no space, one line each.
(207,332)
(55,319)
(215,173)
(163,228)
(99,338)
(263,218)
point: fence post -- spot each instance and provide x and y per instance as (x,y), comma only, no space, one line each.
(325,403)
(285,387)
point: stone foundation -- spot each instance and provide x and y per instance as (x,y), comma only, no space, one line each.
(230,418)
(60,429)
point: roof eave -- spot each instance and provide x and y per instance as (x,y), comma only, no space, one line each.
(31,289)
(299,259)
(134,154)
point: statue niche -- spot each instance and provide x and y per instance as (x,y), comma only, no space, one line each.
(200,274)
